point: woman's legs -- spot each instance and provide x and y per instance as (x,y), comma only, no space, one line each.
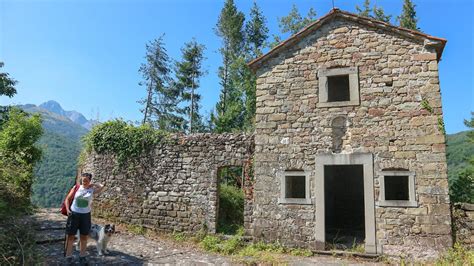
(69,246)
(83,241)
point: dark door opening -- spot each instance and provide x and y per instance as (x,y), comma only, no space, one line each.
(344,206)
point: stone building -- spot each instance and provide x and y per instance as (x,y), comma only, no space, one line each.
(349,141)
(349,149)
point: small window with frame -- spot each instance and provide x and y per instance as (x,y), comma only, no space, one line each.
(294,188)
(338,87)
(397,189)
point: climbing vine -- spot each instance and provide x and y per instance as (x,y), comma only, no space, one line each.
(426,105)
(123,139)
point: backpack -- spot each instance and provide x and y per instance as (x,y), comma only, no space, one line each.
(63,205)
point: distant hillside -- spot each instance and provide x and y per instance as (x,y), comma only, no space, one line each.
(458,152)
(61,143)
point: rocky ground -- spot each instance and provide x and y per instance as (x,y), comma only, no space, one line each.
(130,249)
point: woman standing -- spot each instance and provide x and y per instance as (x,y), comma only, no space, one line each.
(79,216)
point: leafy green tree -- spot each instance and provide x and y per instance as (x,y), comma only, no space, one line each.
(188,73)
(229,110)
(7,84)
(18,155)
(408,17)
(161,109)
(7,88)
(462,185)
(365,12)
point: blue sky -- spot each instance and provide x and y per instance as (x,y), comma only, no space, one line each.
(86,54)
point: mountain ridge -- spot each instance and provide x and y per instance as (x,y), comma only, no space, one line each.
(74,116)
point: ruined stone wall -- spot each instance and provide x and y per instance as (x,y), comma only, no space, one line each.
(463,216)
(174,188)
(396,75)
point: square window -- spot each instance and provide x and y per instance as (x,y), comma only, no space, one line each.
(396,188)
(295,187)
(338,88)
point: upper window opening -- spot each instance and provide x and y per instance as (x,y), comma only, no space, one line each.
(338,88)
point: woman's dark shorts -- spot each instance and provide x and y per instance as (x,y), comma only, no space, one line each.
(81,221)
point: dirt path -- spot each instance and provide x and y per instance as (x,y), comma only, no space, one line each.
(129,249)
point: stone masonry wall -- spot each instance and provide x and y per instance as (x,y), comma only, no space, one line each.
(463,215)
(396,75)
(172,189)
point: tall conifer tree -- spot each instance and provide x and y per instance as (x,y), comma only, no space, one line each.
(188,73)
(408,17)
(230,107)
(256,33)
(161,103)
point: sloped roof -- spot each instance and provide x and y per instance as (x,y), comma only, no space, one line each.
(437,43)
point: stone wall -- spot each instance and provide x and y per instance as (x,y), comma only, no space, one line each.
(174,188)
(396,121)
(463,216)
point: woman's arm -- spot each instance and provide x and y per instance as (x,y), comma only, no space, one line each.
(98,188)
(69,197)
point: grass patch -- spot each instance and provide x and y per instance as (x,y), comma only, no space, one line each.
(457,255)
(178,236)
(136,229)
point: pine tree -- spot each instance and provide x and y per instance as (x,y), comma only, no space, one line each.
(188,73)
(256,37)
(256,31)
(230,107)
(366,11)
(293,23)
(379,14)
(161,104)
(408,17)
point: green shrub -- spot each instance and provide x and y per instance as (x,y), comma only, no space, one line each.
(231,245)
(458,255)
(231,209)
(211,243)
(122,139)
(18,244)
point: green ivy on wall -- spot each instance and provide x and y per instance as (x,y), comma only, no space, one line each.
(123,139)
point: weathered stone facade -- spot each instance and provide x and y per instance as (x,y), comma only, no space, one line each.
(396,121)
(172,188)
(463,214)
